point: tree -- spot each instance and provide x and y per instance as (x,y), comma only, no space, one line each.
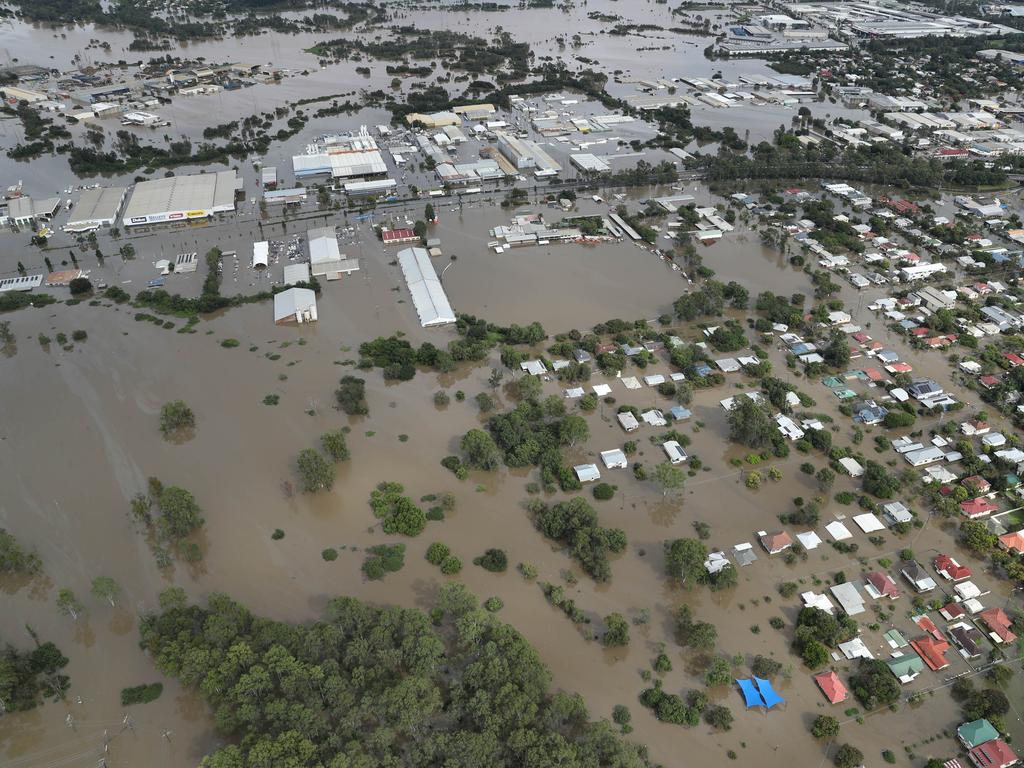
(314,471)
(874,685)
(105,588)
(976,537)
(837,351)
(825,727)
(428,212)
(898,419)
(494,560)
(176,416)
(179,513)
(80,286)
(479,450)
(765,666)
(351,396)
(669,477)
(719,673)
(814,654)
(616,632)
(878,482)
(848,756)
(494,380)
(684,559)
(699,635)
(573,429)
(14,558)
(68,604)
(750,424)
(825,478)
(718,717)
(335,445)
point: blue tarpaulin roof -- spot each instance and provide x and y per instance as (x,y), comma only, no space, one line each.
(771,698)
(750,693)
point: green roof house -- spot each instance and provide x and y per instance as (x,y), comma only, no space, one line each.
(976,732)
(906,667)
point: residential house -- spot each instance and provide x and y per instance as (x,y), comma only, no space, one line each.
(1013,542)
(896,512)
(628,421)
(999,625)
(832,687)
(949,569)
(969,638)
(587,473)
(776,542)
(976,508)
(880,585)
(918,578)
(905,668)
(614,459)
(976,732)
(993,754)
(932,651)
(976,485)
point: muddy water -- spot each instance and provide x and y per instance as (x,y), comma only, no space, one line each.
(90,415)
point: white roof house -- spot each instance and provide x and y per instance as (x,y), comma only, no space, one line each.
(868,523)
(628,421)
(838,531)
(574,392)
(852,466)
(428,296)
(587,473)
(602,390)
(849,598)
(295,306)
(674,451)
(821,602)
(654,417)
(296,273)
(809,539)
(534,367)
(855,649)
(614,459)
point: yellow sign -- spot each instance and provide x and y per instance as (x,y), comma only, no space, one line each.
(195,214)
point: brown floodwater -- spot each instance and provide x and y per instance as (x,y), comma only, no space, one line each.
(80,438)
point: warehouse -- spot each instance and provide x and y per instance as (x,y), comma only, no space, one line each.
(342,157)
(181,198)
(589,163)
(22,211)
(96,208)
(526,154)
(427,294)
(295,306)
(325,258)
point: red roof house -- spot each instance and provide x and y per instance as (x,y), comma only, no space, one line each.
(391,236)
(832,687)
(989,381)
(928,626)
(932,651)
(900,367)
(952,611)
(976,484)
(1014,359)
(997,621)
(776,542)
(1013,542)
(976,508)
(883,584)
(950,569)
(993,754)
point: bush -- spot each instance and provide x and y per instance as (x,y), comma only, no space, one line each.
(848,756)
(399,513)
(437,552)
(351,396)
(335,445)
(528,571)
(78,287)
(141,694)
(621,715)
(314,470)
(79,335)
(330,554)
(788,588)
(662,663)
(382,560)
(718,717)
(230,343)
(451,565)
(494,604)
(765,666)
(494,560)
(175,416)
(617,632)
(277,535)
(603,492)
(898,419)
(441,398)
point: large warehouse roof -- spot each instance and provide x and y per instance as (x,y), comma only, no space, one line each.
(206,192)
(427,294)
(96,206)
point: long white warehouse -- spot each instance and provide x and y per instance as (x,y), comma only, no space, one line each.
(181,198)
(427,294)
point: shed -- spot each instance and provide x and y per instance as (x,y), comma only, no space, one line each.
(852,466)
(295,306)
(674,451)
(614,459)
(848,597)
(587,473)
(628,421)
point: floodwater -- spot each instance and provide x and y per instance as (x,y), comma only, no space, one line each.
(88,416)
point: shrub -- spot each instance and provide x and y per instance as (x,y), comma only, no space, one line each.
(175,416)
(351,396)
(617,631)
(79,335)
(382,560)
(141,694)
(621,714)
(662,663)
(494,560)
(330,554)
(528,571)
(718,717)
(335,445)
(848,756)
(603,492)
(825,727)
(80,286)
(437,552)
(441,398)
(494,604)
(230,343)
(314,470)
(788,588)
(277,535)
(451,565)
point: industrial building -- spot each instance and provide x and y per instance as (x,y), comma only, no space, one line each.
(428,295)
(341,157)
(525,154)
(23,211)
(181,198)
(325,258)
(295,306)
(97,207)
(435,120)
(268,177)
(589,163)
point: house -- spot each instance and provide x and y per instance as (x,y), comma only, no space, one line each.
(976,508)
(587,473)
(917,577)
(922,389)
(848,597)
(654,417)
(832,687)
(905,668)
(968,638)
(1013,542)
(855,649)
(999,625)
(976,732)
(534,367)
(881,585)
(948,568)
(852,466)
(716,562)
(674,451)
(896,512)
(628,421)
(396,236)
(776,542)
(744,554)
(932,651)
(924,456)
(993,754)
(821,602)
(614,459)
(952,611)
(295,306)
(989,381)
(976,484)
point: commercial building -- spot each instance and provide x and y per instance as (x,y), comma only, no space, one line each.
(96,208)
(22,211)
(589,163)
(428,295)
(525,154)
(325,258)
(295,306)
(268,177)
(343,157)
(181,198)
(433,120)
